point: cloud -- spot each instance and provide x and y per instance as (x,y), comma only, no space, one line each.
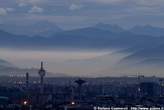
(10,9)
(150,2)
(75,7)
(88,11)
(23,3)
(140,3)
(106,1)
(3,12)
(36,9)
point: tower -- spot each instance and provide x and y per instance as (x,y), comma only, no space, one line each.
(80,82)
(27,80)
(42,74)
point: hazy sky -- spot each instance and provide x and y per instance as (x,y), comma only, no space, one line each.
(78,13)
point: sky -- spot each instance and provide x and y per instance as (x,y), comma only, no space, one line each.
(80,13)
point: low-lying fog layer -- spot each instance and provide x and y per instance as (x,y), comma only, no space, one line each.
(79,63)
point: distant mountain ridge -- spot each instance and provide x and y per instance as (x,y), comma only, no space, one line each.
(47,29)
(110,27)
(140,41)
(98,36)
(148,30)
(42,28)
(5,63)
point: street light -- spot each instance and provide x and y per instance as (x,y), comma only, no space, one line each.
(25,102)
(72,103)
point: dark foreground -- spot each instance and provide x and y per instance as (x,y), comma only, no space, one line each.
(127,93)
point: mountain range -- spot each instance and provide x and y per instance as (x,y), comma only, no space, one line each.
(40,28)
(144,43)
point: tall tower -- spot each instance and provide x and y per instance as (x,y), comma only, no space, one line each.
(42,74)
(27,80)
